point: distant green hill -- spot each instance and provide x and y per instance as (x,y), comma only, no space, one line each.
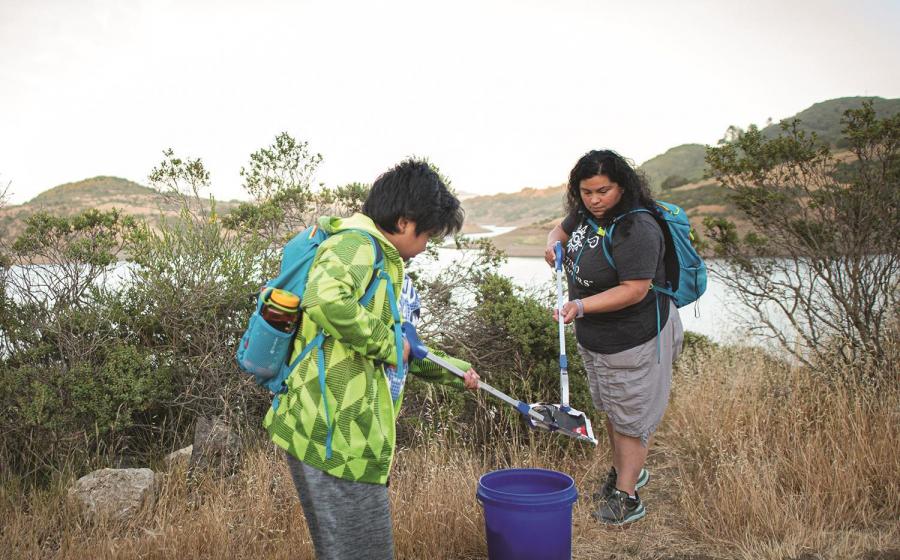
(825,118)
(515,209)
(685,161)
(95,188)
(536,211)
(104,193)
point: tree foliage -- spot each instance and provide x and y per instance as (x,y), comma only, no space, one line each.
(279,180)
(72,379)
(284,200)
(823,255)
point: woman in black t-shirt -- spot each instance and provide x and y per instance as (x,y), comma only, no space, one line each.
(628,334)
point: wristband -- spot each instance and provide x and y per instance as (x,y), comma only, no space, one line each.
(580,305)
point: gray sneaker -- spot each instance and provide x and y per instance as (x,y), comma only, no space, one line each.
(619,509)
(610,484)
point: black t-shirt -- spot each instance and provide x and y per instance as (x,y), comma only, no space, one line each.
(638,249)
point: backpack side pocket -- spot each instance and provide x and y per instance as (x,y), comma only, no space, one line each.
(263,350)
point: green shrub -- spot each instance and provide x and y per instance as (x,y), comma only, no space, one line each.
(697,341)
(56,411)
(510,338)
(673,181)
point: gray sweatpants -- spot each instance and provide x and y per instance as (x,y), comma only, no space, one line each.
(347,520)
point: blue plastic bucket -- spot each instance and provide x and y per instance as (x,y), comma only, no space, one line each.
(527,514)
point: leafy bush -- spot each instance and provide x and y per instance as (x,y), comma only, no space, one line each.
(526,343)
(56,411)
(696,341)
(508,335)
(673,181)
(71,382)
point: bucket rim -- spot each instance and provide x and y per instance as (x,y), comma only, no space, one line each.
(567,494)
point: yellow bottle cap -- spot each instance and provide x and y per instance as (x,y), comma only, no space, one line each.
(285,299)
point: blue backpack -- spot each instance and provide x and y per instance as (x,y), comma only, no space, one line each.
(264,351)
(685,269)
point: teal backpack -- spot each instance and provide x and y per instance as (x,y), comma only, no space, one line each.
(685,269)
(264,352)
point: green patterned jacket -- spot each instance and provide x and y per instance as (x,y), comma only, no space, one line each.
(360,340)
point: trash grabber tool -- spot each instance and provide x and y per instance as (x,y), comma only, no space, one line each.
(420,351)
(535,417)
(574,422)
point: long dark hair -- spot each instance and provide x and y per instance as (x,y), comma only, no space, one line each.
(635,189)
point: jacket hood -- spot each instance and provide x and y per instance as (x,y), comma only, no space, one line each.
(334,224)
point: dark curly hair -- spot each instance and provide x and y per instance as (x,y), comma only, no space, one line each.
(414,190)
(635,189)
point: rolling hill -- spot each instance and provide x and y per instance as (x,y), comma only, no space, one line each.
(94,189)
(536,211)
(686,161)
(825,118)
(521,208)
(103,193)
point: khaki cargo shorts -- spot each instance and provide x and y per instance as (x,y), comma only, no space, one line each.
(632,387)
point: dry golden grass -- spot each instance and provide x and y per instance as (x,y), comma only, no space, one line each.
(754,461)
(774,461)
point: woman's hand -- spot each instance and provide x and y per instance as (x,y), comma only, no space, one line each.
(471,380)
(556,235)
(570,311)
(550,255)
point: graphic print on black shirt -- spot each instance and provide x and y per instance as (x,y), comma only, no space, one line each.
(637,249)
(583,234)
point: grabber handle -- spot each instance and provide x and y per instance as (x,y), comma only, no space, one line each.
(417,350)
(560,301)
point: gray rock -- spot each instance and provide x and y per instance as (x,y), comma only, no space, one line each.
(216,449)
(180,457)
(116,494)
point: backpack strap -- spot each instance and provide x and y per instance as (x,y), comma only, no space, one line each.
(606,242)
(378,267)
(379,275)
(398,324)
(600,232)
(606,238)
(278,384)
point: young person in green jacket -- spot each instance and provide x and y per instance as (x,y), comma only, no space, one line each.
(340,445)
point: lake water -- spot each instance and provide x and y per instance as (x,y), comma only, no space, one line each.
(713,315)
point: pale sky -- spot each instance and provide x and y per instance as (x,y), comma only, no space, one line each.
(501,94)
